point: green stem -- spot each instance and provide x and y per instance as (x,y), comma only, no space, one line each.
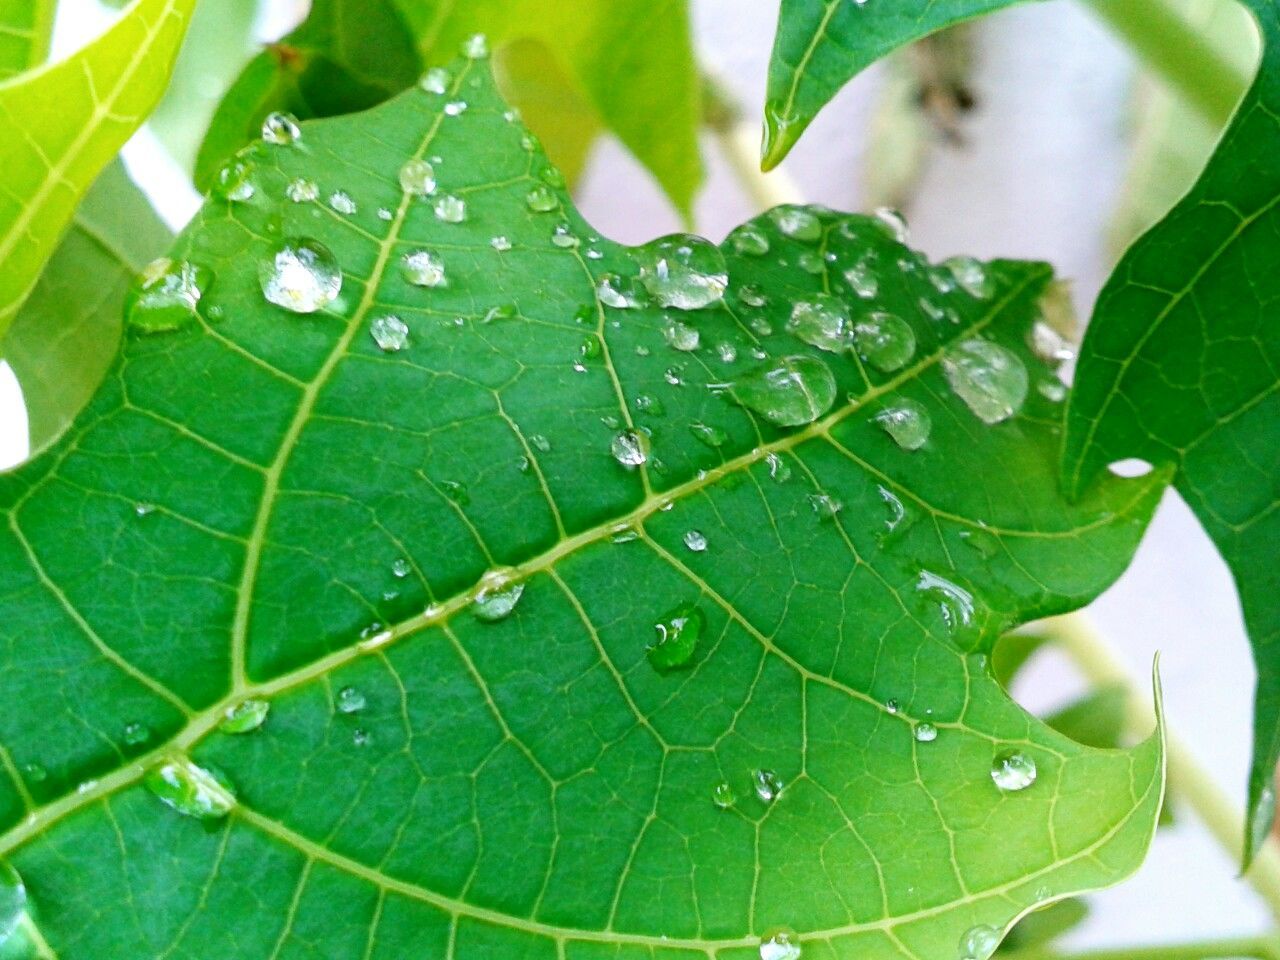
(1261,948)
(1174,48)
(1190,782)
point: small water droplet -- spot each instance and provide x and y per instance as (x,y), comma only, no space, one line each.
(342,202)
(990,379)
(436,80)
(164,296)
(924,732)
(767,784)
(562,236)
(791,392)
(245,717)
(749,240)
(1013,770)
(281,129)
(422,268)
(389,332)
(907,422)
(351,700)
(781,943)
(955,603)
(683,271)
(1049,345)
(822,321)
(981,540)
(136,734)
(541,199)
(450,209)
(647,403)
(540,443)
(681,336)
(234,181)
(797,222)
(192,790)
(630,448)
(708,434)
(300,275)
(498,600)
(144,509)
(677,636)
(825,505)
(455,108)
(751,295)
(885,341)
(971,274)
(385,214)
(475,47)
(897,509)
(418,178)
(1053,390)
(892,706)
(979,942)
(36,774)
(302,190)
(723,796)
(893,223)
(695,540)
(625,533)
(862,280)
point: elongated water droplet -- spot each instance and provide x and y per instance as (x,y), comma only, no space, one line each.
(791,392)
(924,732)
(893,223)
(165,295)
(749,240)
(708,434)
(234,181)
(614,291)
(436,80)
(681,336)
(683,271)
(13,903)
(971,274)
(823,322)
(498,602)
(418,178)
(630,448)
(907,422)
(450,209)
(862,279)
(541,199)
(695,540)
(779,469)
(1013,770)
(281,129)
(35,773)
(389,332)
(767,784)
(990,379)
(302,190)
(300,275)
(723,796)
(897,509)
(797,222)
(981,540)
(245,717)
(955,603)
(979,942)
(677,637)
(422,268)
(190,789)
(342,202)
(781,943)
(885,341)
(825,505)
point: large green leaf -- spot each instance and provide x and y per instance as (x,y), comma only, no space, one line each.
(60,125)
(267,506)
(25,26)
(1180,366)
(66,334)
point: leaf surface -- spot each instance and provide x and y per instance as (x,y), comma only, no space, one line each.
(25,27)
(270,506)
(60,125)
(1181,366)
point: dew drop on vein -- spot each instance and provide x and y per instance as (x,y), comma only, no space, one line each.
(630,448)
(300,274)
(780,943)
(767,784)
(790,392)
(436,80)
(979,942)
(924,732)
(342,202)
(190,789)
(1013,770)
(302,190)
(418,178)
(245,716)
(885,341)
(723,796)
(498,601)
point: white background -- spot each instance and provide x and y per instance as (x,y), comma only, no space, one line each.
(1043,160)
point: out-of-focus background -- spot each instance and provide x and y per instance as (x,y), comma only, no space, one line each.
(1064,132)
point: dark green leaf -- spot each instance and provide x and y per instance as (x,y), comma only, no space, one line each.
(1180,367)
(401,522)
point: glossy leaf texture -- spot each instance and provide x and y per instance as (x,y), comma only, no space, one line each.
(820,45)
(25,27)
(1180,367)
(60,126)
(471,616)
(67,333)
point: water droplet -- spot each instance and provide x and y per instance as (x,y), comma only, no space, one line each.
(885,341)
(750,295)
(981,540)
(501,244)
(562,236)
(647,403)
(791,392)
(475,47)
(541,199)
(281,129)
(36,774)
(683,271)
(422,268)
(456,492)
(767,784)
(1049,345)
(979,943)
(455,108)
(1053,390)
(1013,770)
(245,717)
(136,734)
(361,737)
(924,732)
(677,636)
(695,540)
(450,209)
(990,379)
(300,275)
(234,181)
(681,336)
(144,509)
(13,904)
(749,240)
(862,280)
(708,434)
(955,603)
(418,178)
(351,700)
(630,448)
(436,80)
(892,706)
(825,505)
(781,943)
(797,222)
(822,321)
(164,295)
(779,469)
(971,274)
(190,789)
(389,332)
(723,796)
(893,223)
(385,214)
(907,422)
(496,602)
(897,510)
(302,190)
(540,443)
(625,533)
(342,202)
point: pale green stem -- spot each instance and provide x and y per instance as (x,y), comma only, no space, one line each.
(1261,948)
(1176,50)
(1190,783)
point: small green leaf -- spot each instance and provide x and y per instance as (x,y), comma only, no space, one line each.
(25,27)
(1179,368)
(61,124)
(277,503)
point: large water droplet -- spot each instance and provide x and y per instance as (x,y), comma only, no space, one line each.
(422,268)
(677,636)
(781,943)
(450,209)
(825,506)
(971,274)
(389,332)
(300,275)
(342,202)
(791,392)
(1013,770)
(955,603)
(681,336)
(234,181)
(683,271)
(281,129)
(497,602)
(885,341)
(767,784)
(822,321)
(418,178)
(990,379)
(541,199)
(797,222)
(630,448)
(245,717)
(979,943)
(907,422)
(749,241)
(190,789)
(924,732)
(164,296)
